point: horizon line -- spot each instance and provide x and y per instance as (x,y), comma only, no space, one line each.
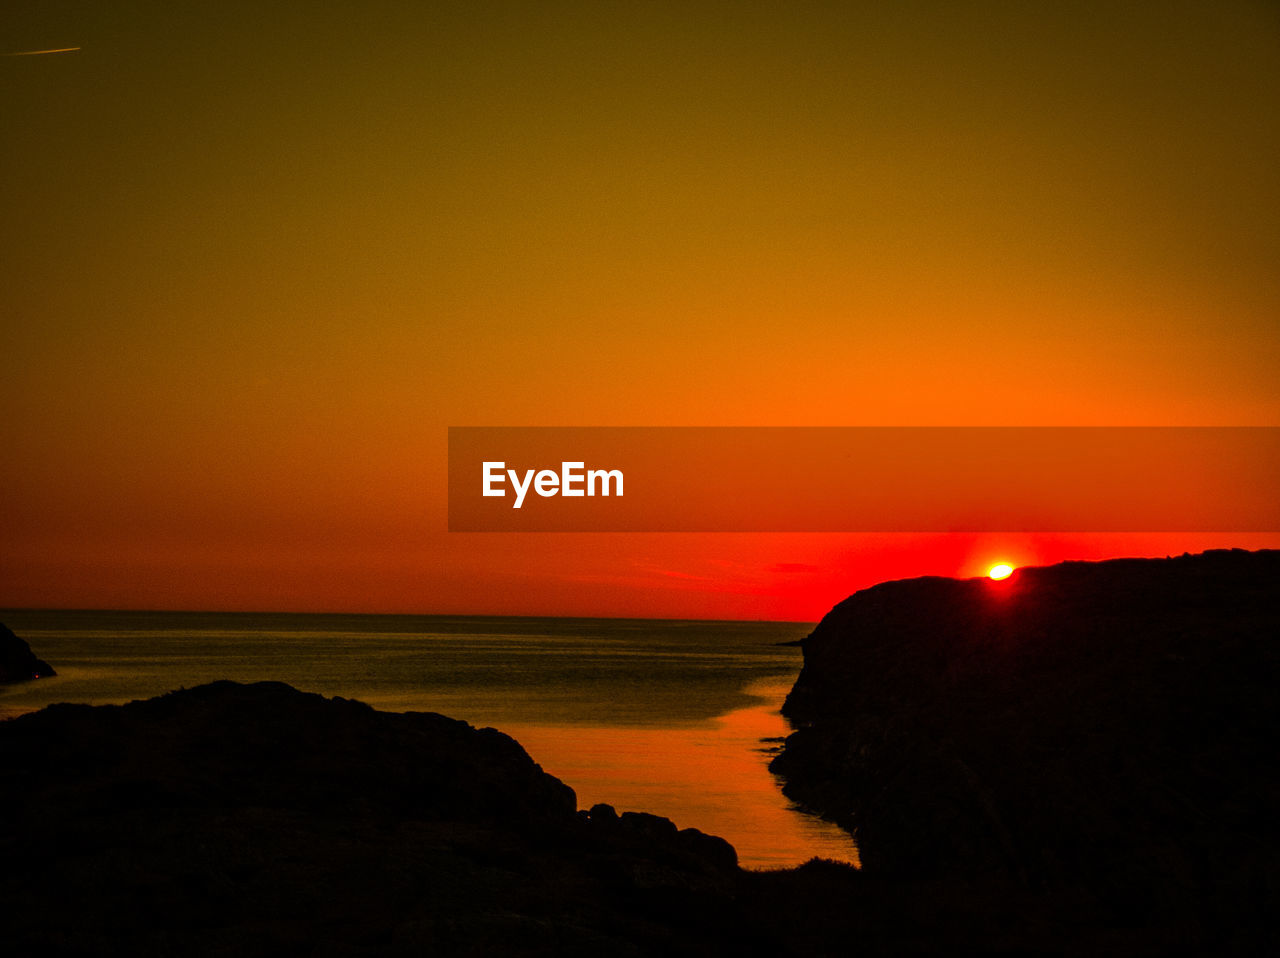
(438,615)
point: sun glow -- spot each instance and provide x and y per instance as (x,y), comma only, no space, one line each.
(1001,570)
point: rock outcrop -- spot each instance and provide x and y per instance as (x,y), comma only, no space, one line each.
(17,662)
(1106,733)
(259,820)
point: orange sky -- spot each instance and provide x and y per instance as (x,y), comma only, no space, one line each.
(256,261)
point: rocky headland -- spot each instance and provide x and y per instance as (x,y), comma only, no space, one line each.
(1101,739)
(17,662)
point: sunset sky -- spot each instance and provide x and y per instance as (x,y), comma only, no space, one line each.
(257,258)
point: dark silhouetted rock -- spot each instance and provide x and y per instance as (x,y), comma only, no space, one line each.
(1104,734)
(17,662)
(1080,760)
(259,820)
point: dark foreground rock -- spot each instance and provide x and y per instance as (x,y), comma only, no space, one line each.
(259,820)
(1099,741)
(17,662)
(1078,761)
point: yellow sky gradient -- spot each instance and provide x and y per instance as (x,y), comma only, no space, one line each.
(256,261)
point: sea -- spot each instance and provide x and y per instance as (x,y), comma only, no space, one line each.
(676,718)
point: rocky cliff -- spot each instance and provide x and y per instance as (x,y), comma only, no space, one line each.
(1107,731)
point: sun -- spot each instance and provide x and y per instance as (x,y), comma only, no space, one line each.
(1001,570)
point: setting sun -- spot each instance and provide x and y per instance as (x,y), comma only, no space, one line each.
(1000,571)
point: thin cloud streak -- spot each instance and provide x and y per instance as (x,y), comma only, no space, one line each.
(36,53)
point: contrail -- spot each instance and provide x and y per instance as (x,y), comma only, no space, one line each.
(36,53)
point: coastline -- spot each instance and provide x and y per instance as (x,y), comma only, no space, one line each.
(913,682)
(653,715)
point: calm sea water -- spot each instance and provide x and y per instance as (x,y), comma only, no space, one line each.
(670,717)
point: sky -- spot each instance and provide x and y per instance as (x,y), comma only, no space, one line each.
(257,258)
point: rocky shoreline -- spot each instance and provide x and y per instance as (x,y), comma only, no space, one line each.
(1079,760)
(257,819)
(1103,735)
